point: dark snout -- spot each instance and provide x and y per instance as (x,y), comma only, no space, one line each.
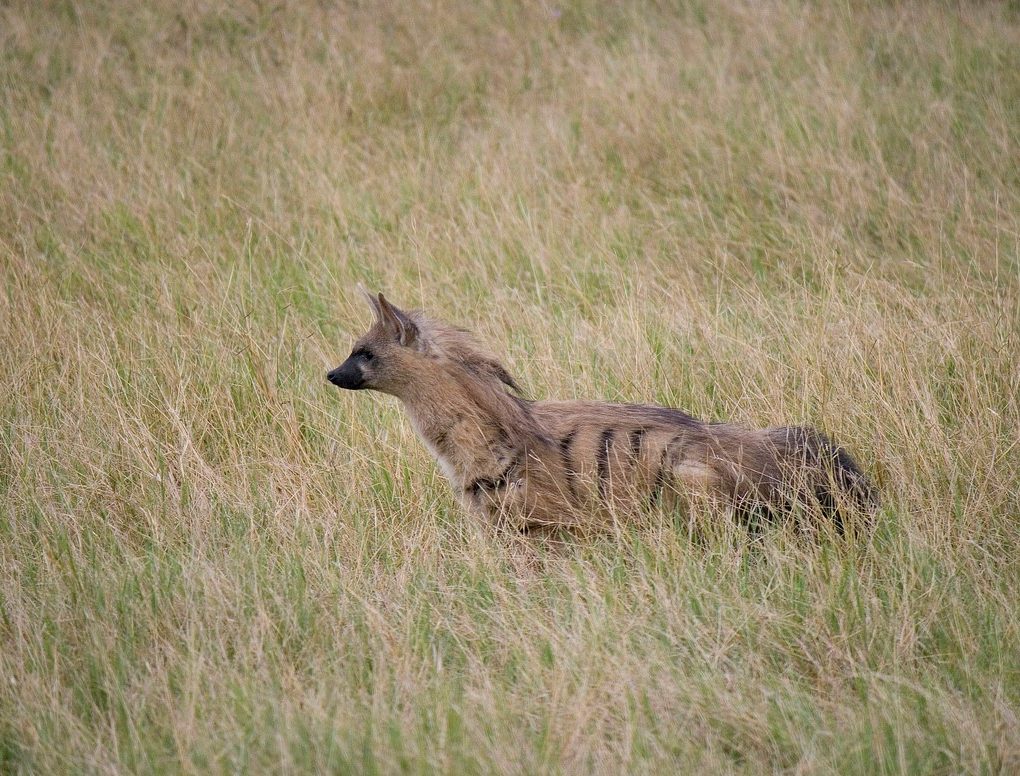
(348,375)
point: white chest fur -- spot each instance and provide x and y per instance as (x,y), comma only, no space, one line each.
(445,464)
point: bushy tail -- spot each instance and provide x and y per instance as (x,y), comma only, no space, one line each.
(827,472)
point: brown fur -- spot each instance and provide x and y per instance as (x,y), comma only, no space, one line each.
(538,465)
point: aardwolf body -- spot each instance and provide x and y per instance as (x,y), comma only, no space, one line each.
(533,466)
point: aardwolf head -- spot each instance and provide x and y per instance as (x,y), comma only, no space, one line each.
(401,348)
(386,356)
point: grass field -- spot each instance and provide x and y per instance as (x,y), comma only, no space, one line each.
(213,561)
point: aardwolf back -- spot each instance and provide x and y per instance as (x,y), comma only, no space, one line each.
(533,466)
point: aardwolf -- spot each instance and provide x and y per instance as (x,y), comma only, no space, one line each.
(539,466)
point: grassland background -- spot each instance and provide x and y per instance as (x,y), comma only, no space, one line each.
(210,560)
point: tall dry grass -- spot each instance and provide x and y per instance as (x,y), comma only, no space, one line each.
(766,212)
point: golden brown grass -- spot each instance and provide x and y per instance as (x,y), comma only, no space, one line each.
(779,212)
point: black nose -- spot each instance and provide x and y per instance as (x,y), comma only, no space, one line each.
(347,375)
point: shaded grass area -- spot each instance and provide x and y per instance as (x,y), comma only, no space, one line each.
(781,213)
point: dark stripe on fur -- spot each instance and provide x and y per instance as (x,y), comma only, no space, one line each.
(660,478)
(568,463)
(635,443)
(440,440)
(494,483)
(602,460)
(676,443)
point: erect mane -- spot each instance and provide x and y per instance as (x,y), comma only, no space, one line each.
(460,345)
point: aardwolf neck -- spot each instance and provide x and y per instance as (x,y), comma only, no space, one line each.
(475,429)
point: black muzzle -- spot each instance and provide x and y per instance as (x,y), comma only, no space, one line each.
(347,375)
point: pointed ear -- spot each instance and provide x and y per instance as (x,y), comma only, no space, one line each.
(372,301)
(399,321)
